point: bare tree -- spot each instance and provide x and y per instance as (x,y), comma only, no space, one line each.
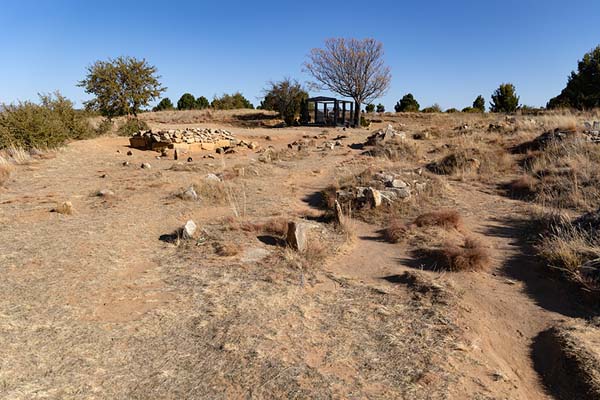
(351,68)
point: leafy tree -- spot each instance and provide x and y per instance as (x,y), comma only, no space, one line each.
(186,102)
(121,86)
(407,104)
(370,108)
(202,103)
(505,99)
(231,102)
(432,109)
(583,87)
(165,104)
(351,68)
(286,97)
(380,108)
(479,103)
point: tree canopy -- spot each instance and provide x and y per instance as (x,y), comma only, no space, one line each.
(479,103)
(351,68)
(407,104)
(583,87)
(165,104)
(286,97)
(121,86)
(505,99)
(231,102)
(186,102)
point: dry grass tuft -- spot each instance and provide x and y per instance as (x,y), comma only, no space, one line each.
(471,256)
(226,249)
(445,219)
(396,150)
(396,231)
(5,171)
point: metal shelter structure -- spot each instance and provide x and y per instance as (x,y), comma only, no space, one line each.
(327,111)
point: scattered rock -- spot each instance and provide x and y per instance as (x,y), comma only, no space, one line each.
(125,163)
(212,177)
(397,183)
(163,139)
(129,153)
(189,230)
(65,208)
(146,166)
(297,235)
(374,197)
(189,194)
(105,193)
(190,159)
(384,135)
(543,141)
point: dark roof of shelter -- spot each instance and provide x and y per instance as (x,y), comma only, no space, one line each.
(324,99)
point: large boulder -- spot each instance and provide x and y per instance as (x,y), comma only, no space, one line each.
(297,235)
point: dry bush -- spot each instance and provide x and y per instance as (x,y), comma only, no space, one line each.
(226,249)
(212,192)
(444,219)
(524,187)
(5,171)
(484,162)
(396,150)
(395,231)
(471,256)
(568,173)
(275,226)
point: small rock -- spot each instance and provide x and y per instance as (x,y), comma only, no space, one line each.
(189,229)
(103,176)
(403,193)
(397,183)
(212,177)
(65,208)
(105,193)
(176,154)
(146,166)
(253,145)
(297,236)
(125,163)
(129,153)
(190,159)
(374,197)
(190,194)
(220,150)
(158,157)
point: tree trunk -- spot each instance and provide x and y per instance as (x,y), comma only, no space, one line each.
(356,113)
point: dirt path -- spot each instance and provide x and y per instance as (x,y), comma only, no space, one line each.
(502,310)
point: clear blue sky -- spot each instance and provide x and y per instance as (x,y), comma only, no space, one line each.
(444,52)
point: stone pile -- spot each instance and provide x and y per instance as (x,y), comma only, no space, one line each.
(385,188)
(206,137)
(384,135)
(592,131)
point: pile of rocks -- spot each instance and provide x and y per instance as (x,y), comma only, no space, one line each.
(207,137)
(385,188)
(384,135)
(592,131)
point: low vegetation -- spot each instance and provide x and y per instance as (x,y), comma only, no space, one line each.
(47,124)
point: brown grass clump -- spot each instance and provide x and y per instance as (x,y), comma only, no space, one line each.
(471,256)
(396,150)
(396,231)
(444,219)
(568,174)
(524,187)
(5,171)
(226,249)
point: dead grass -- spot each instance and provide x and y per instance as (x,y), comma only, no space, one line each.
(444,218)
(226,249)
(568,174)
(395,231)
(5,171)
(397,150)
(471,256)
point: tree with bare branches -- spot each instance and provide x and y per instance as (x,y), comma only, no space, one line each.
(351,68)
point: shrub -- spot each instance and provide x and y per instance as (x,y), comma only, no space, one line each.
(380,108)
(479,104)
(505,99)
(395,232)
(451,110)
(370,108)
(131,126)
(104,127)
(581,91)
(5,171)
(287,98)
(186,102)
(48,124)
(165,104)
(407,104)
(432,109)
(470,110)
(231,102)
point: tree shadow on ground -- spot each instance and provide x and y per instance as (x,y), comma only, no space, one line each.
(547,288)
(425,260)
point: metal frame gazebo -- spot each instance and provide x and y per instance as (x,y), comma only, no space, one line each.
(317,112)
